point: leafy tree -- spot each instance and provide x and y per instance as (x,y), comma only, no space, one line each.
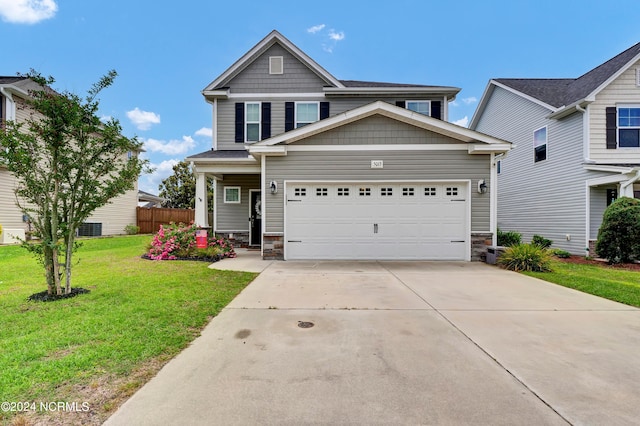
(179,189)
(619,234)
(67,163)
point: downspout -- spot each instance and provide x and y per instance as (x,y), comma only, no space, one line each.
(493,197)
(585,133)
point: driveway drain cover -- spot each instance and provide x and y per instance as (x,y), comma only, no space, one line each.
(305,324)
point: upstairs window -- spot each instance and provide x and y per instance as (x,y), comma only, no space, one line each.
(422,107)
(540,145)
(252,121)
(629,126)
(306,113)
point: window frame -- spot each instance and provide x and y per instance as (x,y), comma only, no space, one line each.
(296,123)
(546,144)
(247,122)
(227,200)
(619,127)
(418,101)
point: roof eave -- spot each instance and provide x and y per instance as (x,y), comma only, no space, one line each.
(450,92)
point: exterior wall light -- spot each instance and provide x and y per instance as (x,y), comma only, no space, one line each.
(482,186)
(274,187)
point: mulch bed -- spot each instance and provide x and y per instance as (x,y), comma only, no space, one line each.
(195,259)
(600,262)
(43,296)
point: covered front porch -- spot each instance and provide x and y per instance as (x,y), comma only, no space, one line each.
(619,181)
(237,195)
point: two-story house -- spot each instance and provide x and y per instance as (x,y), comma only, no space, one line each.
(107,220)
(308,166)
(576,149)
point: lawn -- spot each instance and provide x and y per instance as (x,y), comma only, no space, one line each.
(98,348)
(601,280)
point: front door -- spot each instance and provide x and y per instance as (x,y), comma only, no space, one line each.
(255,218)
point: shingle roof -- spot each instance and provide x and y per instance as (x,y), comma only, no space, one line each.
(225,154)
(357,83)
(565,91)
(10,80)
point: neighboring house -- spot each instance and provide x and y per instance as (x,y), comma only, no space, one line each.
(576,149)
(308,166)
(148,200)
(108,220)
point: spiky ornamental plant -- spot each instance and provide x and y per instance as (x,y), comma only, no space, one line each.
(67,163)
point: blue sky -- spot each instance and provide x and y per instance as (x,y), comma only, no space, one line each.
(166,52)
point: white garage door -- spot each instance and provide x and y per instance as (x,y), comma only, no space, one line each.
(394,220)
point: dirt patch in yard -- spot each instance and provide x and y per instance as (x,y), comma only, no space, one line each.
(601,262)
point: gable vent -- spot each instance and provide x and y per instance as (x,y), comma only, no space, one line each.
(276,65)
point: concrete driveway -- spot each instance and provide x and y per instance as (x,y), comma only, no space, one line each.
(402,343)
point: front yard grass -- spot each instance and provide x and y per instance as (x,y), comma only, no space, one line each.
(100,347)
(601,280)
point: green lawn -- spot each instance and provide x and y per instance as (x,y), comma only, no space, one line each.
(604,281)
(100,347)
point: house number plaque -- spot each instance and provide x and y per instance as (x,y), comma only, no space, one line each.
(376,164)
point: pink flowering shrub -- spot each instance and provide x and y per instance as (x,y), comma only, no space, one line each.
(179,242)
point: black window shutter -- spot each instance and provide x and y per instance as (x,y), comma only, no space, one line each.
(266,120)
(436,109)
(612,128)
(289,116)
(401,104)
(240,122)
(324,110)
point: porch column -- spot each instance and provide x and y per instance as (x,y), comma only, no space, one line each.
(202,216)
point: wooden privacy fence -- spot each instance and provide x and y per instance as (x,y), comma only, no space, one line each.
(149,220)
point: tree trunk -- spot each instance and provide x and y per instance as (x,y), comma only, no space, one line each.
(67,260)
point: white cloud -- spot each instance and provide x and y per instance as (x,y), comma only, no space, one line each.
(315,28)
(470,100)
(205,131)
(336,36)
(464,121)
(27,11)
(151,181)
(142,119)
(172,147)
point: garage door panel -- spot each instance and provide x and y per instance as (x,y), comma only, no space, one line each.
(377,221)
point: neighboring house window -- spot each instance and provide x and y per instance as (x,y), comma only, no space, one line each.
(252,121)
(540,144)
(232,194)
(423,107)
(629,126)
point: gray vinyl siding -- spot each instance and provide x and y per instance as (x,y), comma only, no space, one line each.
(297,77)
(377,129)
(235,217)
(548,197)
(356,166)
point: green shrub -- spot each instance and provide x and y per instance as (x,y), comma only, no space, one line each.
(619,234)
(542,242)
(562,254)
(509,238)
(526,257)
(131,229)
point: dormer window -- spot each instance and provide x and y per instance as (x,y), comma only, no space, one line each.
(276,65)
